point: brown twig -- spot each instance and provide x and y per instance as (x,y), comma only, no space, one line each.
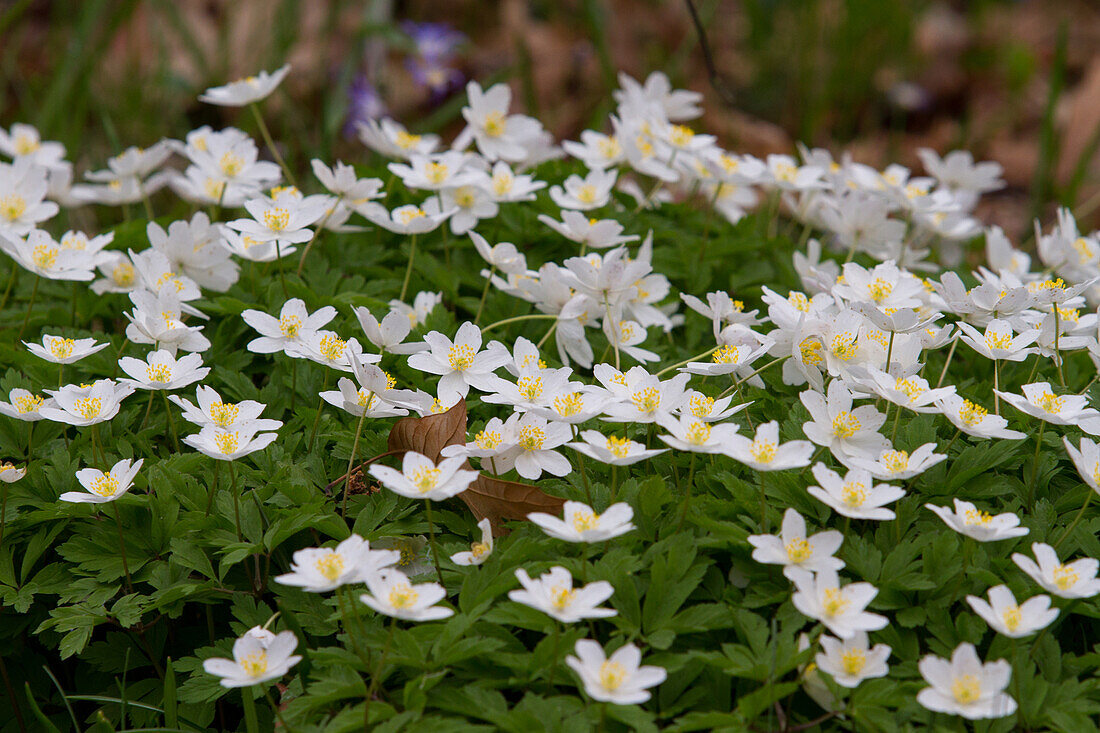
(717,81)
(364,464)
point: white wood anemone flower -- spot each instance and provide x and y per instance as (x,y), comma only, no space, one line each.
(83,405)
(258,656)
(321,569)
(553,594)
(764,452)
(982,526)
(856,495)
(100,487)
(841,608)
(850,661)
(162,371)
(1014,620)
(10,473)
(61,350)
(212,412)
(479,551)
(794,548)
(1075,579)
(392,594)
(964,686)
(581,524)
(25,405)
(229,445)
(245,91)
(620,679)
(611,449)
(421,478)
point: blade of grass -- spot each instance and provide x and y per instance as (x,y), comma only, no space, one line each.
(1042,185)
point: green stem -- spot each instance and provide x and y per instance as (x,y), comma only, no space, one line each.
(236,501)
(376,677)
(351,459)
(1057,353)
(897,418)
(408,269)
(11,284)
(316,235)
(553,656)
(484,294)
(278,714)
(251,722)
(687,493)
(546,335)
(171,422)
(687,361)
(213,489)
(516,319)
(293,382)
(431,539)
(1035,466)
(122,549)
(317,417)
(30,307)
(950,355)
(266,134)
(1073,525)
(148,409)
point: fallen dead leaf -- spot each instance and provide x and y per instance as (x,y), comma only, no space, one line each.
(488,497)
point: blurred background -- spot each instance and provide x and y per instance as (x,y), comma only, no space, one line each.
(1013,81)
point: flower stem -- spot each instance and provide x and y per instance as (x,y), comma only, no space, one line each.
(278,714)
(30,307)
(687,494)
(516,319)
(408,269)
(236,501)
(316,235)
(375,678)
(148,409)
(317,417)
(556,638)
(251,722)
(171,422)
(484,293)
(687,361)
(1073,524)
(266,134)
(1057,333)
(351,459)
(950,355)
(122,549)
(11,284)
(1035,466)
(431,539)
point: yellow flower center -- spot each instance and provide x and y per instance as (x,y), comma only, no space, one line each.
(966,689)
(105,485)
(612,675)
(977,516)
(994,340)
(12,206)
(911,388)
(479,549)
(972,414)
(585,521)
(461,357)
(853,661)
(853,493)
(618,447)
(1065,577)
(488,440)
(799,301)
(811,351)
(465,196)
(89,407)
(586,194)
(28,403)
(698,433)
(530,387)
(409,214)
(896,461)
(834,603)
(569,405)
(405,141)
(879,290)
(330,565)
(799,550)
(700,405)
(425,478)
(680,135)
(61,348)
(172,278)
(561,597)
(762,451)
(123,274)
(1012,617)
(402,596)
(495,124)
(727,355)
(435,172)
(223,414)
(254,664)
(503,182)
(227,443)
(647,400)
(845,425)
(291,326)
(609,148)
(366,398)
(332,347)
(785,172)
(231,164)
(845,346)
(1050,402)
(158,373)
(213,188)
(24,144)
(276,219)
(44,256)
(531,437)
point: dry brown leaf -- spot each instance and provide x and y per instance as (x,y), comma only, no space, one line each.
(487,497)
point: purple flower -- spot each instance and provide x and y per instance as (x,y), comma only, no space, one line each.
(434,74)
(364,103)
(435,42)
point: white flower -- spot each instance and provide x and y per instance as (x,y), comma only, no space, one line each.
(391,594)
(729,359)
(910,391)
(612,450)
(835,425)
(964,686)
(593,233)
(1075,579)
(709,409)
(461,363)
(1005,616)
(553,594)
(974,419)
(390,333)
(793,548)
(25,405)
(284,219)
(293,325)
(898,465)
(855,495)
(479,551)
(321,569)
(596,150)
(328,349)
(83,405)
(998,342)
(688,433)
(161,370)
(765,453)
(618,679)
(245,91)
(583,194)
(819,596)
(435,172)
(498,134)
(638,396)
(40,254)
(852,660)
(103,487)
(957,171)
(408,219)
(256,658)
(976,524)
(212,412)
(61,350)
(534,440)
(581,524)
(1040,401)
(157,319)
(503,256)
(421,478)
(229,445)
(574,408)
(392,140)
(417,313)
(1086,461)
(9,474)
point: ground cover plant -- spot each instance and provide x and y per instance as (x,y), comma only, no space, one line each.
(630,432)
